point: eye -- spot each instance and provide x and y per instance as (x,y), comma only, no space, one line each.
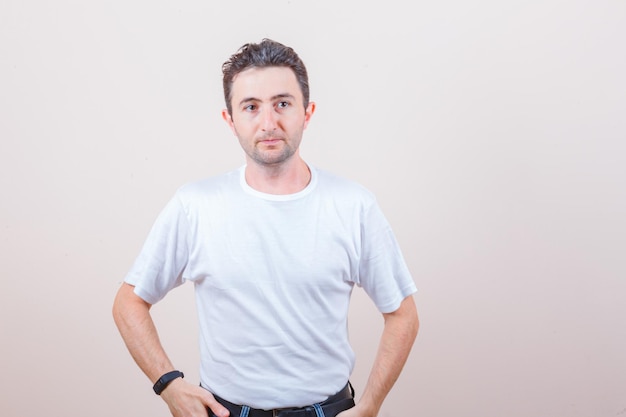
(250,107)
(282,104)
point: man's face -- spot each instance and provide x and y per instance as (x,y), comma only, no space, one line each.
(268,114)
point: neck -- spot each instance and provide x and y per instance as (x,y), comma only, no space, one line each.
(286,178)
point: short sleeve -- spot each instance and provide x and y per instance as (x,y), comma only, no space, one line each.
(162,260)
(383,272)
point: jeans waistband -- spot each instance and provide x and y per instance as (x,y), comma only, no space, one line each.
(333,405)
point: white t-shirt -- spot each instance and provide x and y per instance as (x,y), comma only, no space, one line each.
(273,276)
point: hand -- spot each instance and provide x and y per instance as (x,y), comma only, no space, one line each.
(347,413)
(188,400)
(356,411)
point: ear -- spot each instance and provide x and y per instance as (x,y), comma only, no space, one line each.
(310,109)
(229,120)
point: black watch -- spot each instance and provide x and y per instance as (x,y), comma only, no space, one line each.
(164,381)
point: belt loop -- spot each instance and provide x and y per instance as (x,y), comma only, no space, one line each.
(244,411)
(318,410)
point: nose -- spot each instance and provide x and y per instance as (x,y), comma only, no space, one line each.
(269,119)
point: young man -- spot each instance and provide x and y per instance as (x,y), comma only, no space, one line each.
(274,250)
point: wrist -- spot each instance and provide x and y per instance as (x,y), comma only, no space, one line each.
(165,380)
(367,408)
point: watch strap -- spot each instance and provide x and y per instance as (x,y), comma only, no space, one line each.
(165,379)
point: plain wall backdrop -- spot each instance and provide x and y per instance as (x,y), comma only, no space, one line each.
(492,132)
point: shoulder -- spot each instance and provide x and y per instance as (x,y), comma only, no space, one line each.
(209,186)
(343,188)
(204,194)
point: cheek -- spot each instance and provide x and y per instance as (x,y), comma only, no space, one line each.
(240,125)
(245,132)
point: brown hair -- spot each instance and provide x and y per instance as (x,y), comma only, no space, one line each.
(267,53)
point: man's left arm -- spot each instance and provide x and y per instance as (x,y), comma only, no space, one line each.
(399,333)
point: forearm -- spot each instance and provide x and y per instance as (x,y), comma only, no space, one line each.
(135,324)
(133,319)
(397,339)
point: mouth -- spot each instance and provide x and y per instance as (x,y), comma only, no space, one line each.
(270,141)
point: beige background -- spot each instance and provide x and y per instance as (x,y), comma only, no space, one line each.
(493,133)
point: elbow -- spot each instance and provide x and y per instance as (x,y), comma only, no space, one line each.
(412,320)
(405,319)
(127,304)
(415,325)
(118,306)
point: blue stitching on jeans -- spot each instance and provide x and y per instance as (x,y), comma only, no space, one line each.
(318,410)
(244,411)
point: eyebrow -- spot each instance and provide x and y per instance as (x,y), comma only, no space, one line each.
(277,96)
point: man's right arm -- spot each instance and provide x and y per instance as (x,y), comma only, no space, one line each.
(132,317)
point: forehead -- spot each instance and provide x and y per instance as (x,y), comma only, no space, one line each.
(265,83)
